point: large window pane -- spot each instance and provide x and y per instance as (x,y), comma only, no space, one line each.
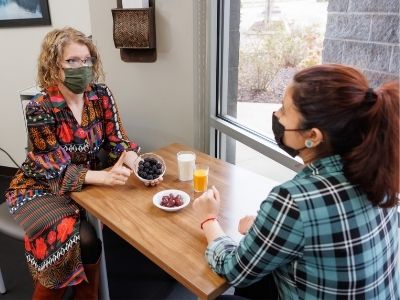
(265,43)
(241,155)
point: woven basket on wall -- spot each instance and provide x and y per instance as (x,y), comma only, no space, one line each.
(134,28)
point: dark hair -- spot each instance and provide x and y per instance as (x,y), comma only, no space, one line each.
(360,124)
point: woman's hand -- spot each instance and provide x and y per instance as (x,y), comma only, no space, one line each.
(207,205)
(131,159)
(154,182)
(245,223)
(119,174)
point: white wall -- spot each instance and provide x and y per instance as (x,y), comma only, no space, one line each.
(19,50)
(155,99)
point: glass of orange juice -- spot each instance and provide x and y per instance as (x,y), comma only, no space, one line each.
(200,178)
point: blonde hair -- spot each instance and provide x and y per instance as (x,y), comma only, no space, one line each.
(51,55)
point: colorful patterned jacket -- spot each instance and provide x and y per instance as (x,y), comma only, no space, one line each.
(64,149)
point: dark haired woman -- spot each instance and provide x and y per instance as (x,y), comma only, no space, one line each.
(331,231)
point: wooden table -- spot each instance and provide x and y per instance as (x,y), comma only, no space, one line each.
(174,240)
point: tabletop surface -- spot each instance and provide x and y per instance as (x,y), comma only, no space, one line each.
(174,240)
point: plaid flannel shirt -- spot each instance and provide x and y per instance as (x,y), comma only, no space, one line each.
(321,239)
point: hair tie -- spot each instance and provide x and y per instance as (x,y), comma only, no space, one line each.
(370,96)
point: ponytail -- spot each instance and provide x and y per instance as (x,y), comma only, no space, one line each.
(374,164)
(358,123)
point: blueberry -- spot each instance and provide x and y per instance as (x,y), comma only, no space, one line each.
(159,166)
(141,167)
(149,177)
(159,172)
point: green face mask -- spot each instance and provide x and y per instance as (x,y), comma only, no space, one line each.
(77,79)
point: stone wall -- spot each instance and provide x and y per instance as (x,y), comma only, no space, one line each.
(364,34)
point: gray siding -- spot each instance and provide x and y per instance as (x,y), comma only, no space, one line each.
(364,34)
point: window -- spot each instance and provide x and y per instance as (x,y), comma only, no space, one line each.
(256,48)
(254,161)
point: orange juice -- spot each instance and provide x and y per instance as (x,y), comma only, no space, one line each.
(200,180)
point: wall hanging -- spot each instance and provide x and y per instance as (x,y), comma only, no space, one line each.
(15,13)
(134,32)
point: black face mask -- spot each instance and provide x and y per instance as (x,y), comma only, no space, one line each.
(279,131)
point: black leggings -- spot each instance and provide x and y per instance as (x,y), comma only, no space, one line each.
(90,244)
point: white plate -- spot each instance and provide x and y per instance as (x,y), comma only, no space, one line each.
(157,199)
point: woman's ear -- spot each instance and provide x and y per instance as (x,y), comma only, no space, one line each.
(316,136)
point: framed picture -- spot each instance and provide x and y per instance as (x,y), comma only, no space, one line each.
(15,13)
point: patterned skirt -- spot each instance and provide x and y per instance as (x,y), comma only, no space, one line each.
(52,240)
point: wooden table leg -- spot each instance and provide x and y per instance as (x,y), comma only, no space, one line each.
(104,292)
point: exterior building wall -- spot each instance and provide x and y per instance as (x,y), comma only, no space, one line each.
(364,34)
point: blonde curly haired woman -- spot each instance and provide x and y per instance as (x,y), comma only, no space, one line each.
(69,123)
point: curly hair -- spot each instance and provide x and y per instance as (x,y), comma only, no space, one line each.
(51,53)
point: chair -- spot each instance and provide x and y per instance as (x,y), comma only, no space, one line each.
(9,227)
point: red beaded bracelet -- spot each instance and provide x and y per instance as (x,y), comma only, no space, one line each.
(206,220)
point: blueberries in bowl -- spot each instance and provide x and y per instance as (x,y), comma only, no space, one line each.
(150,168)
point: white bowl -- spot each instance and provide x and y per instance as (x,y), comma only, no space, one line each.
(158,159)
(157,199)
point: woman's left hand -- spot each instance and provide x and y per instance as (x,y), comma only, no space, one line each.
(154,182)
(132,159)
(207,205)
(245,223)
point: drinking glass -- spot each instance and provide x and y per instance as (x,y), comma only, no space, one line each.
(186,165)
(200,178)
